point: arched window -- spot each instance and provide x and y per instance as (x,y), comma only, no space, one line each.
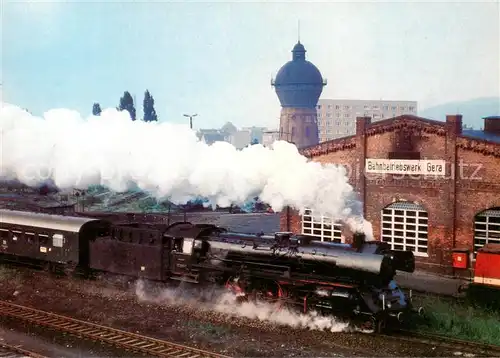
(321,226)
(486,228)
(404,227)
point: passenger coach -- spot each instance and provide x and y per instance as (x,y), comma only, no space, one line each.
(51,241)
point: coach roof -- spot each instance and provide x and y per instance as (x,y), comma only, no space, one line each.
(45,221)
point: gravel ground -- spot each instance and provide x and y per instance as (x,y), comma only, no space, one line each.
(108,302)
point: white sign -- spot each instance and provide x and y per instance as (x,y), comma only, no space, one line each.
(411,167)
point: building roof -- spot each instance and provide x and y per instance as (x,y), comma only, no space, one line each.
(229,128)
(211,138)
(189,230)
(477,134)
(46,221)
(299,82)
(469,138)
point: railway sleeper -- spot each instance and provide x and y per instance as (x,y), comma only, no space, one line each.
(94,333)
(147,345)
(52,320)
(25,315)
(163,349)
(126,340)
(90,330)
(110,336)
(176,352)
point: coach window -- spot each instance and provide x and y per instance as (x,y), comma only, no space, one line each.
(43,239)
(17,235)
(404,227)
(30,237)
(486,228)
(321,226)
(57,240)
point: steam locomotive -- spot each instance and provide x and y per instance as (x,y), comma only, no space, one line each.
(293,270)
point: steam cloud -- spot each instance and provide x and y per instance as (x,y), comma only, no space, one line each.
(225,302)
(168,161)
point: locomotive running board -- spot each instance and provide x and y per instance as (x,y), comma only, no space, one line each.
(184,279)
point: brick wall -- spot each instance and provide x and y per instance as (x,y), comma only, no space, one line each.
(451,201)
(299,125)
(478,189)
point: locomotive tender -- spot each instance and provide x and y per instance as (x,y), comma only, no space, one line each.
(298,270)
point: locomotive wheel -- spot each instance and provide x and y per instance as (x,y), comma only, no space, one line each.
(69,269)
(236,287)
(278,296)
(373,325)
(271,292)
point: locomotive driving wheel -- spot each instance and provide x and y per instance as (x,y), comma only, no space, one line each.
(271,292)
(277,295)
(373,325)
(237,286)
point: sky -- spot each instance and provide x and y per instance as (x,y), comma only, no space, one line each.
(217,58)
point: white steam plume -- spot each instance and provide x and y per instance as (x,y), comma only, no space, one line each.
(168,161)
(226,303)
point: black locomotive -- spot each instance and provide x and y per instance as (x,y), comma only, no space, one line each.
(357,280)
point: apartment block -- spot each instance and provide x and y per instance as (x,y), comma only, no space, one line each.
(269,137)
(337,117)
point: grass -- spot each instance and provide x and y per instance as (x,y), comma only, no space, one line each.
(209,328)
(8,274)
(460,320)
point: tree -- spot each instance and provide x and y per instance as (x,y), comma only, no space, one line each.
(149,108)
(96,110)
(127,103)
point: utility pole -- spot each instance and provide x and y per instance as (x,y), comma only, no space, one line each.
(190,116)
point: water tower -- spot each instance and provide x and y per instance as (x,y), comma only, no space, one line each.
(298,85)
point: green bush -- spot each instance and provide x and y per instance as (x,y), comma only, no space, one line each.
(458,320)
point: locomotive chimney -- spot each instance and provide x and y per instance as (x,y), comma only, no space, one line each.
(358,240)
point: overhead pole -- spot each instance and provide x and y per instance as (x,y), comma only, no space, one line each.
(190,116)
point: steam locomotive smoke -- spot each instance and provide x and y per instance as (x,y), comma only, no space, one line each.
(225,303)
(168,161)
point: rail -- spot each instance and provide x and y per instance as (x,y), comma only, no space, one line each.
(119,338)
(10,351)
(489,350)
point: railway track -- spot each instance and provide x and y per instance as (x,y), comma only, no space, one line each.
(464,346)
(118,338)
(10,351)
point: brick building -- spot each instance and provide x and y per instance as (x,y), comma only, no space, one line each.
(428,186)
